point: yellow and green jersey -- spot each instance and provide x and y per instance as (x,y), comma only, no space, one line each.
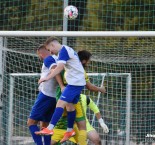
(87,102)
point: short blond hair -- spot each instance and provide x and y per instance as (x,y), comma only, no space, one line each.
(51,39)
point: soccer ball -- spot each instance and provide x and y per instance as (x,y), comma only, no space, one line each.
(71,12)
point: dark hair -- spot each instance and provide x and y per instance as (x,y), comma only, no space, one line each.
(41,46)
(51,39)
(84,55)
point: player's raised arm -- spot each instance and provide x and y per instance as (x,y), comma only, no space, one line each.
(85,57)
(53,73)
(58,78)
(94,88)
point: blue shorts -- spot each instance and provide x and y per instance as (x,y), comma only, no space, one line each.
(43,108)
(71,94)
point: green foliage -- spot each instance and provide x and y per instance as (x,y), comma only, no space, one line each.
(116,15)
(100,15)
(31,15)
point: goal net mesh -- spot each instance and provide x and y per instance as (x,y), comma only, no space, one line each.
(94,15)
(134,55)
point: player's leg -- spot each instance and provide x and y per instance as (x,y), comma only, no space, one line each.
(75,138)
(47,138)
(57,136)
(92,135)
(32,120)
(59,132)
(55,118)
(81,123)
(46,119)
(32,124)
(71,113)
(40,112)
(82,139)
(61,104)
(57,114)
(68,95)
(72,94)
(67,99)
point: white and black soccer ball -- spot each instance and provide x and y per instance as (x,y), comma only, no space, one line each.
(71,12)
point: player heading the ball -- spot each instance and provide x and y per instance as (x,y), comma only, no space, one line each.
(68,60)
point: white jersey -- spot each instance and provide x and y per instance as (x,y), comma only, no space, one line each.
(48,87)
(73,67)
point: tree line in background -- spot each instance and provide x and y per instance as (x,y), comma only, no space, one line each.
(93,15)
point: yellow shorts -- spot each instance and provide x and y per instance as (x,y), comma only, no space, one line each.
(80,115)
(89,126)
(59,134)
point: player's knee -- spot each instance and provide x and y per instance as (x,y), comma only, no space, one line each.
(31,122)
(97,141)
(61,103)
(70,107)
(94,137)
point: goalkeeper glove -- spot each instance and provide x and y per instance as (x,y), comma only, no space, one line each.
(103,125)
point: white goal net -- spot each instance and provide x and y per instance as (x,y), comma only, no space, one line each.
(117,61)
(21,99)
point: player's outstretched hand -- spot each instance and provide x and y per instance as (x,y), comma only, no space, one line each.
(105,127)
(102,89)
(41,80)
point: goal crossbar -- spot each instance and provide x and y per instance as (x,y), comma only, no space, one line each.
(79,33)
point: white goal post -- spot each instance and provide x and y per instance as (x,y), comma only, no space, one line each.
(103,75)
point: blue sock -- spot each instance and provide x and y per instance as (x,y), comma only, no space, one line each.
(57,115)
(37,138)
(71,118)
(47,140)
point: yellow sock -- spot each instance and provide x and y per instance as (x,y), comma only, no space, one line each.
(82,139)
(77,133)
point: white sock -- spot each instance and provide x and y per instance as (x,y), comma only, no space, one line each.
(50,126)
(69,129)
